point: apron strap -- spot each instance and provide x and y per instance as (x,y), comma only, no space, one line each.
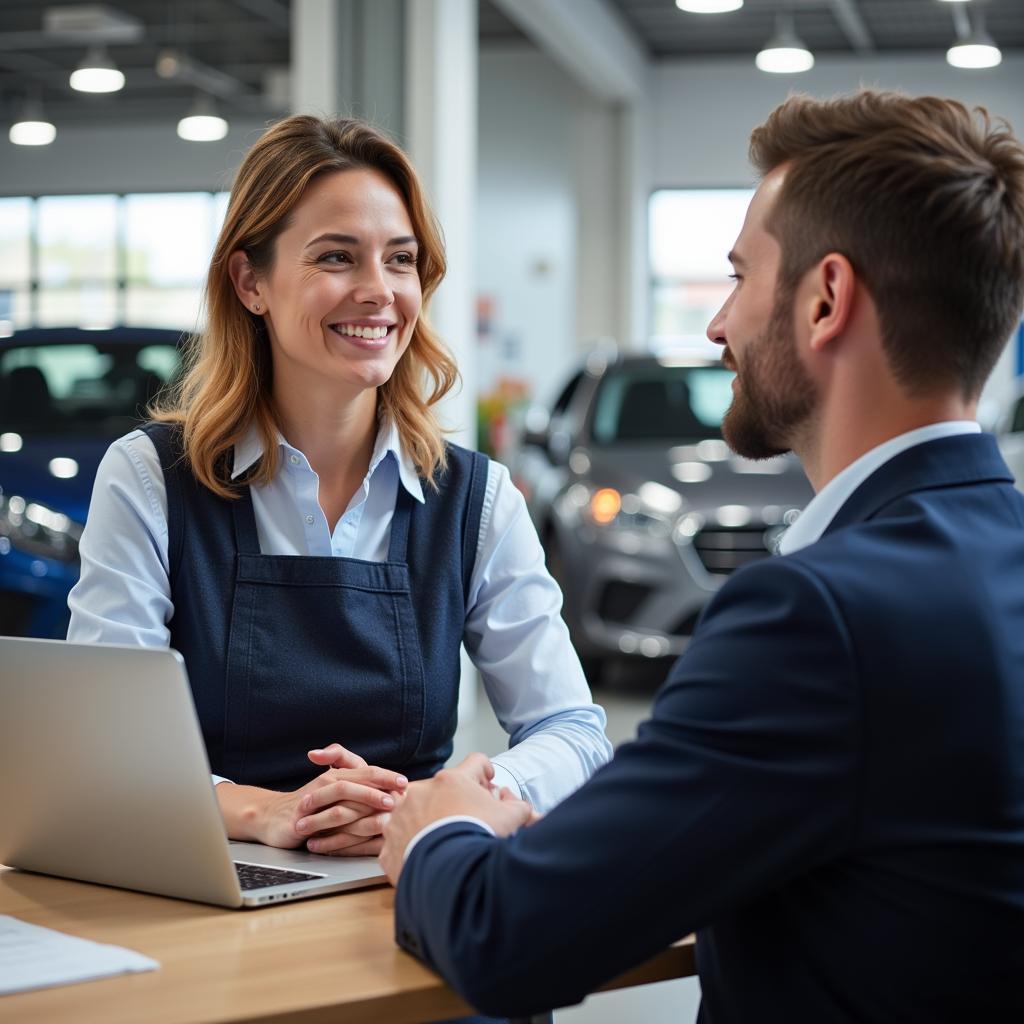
(167,442)
(247,540)
(399,541)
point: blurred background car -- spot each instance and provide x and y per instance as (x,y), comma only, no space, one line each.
(642,508)
(65,394)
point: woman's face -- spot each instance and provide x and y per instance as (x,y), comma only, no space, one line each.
(343,294)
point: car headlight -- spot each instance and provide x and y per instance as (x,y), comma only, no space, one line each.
(38,530)
(626,512)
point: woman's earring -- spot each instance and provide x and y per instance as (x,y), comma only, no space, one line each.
(256,307)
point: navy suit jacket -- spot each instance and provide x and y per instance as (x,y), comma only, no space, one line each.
(830,789)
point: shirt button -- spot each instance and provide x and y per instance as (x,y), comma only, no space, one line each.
(294,459)
(310,520)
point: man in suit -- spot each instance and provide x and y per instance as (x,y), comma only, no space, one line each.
(830,788)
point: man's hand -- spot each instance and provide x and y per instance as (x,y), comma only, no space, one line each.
(451,791)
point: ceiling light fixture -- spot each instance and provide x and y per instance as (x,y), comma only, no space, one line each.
(785,53)
(32,128)
(97,73)
(976,49)
(202,123)
(709,6)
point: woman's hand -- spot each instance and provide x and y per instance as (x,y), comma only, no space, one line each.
(342,811)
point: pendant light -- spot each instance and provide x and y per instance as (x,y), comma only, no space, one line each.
(785,53)
(32,128)
(97,73)
(709,6)
(202,123)
(976,49)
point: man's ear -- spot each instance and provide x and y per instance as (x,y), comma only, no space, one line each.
(828,306)
(243,277)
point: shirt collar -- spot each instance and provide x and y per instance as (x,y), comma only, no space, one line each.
(822,508)
(389,442)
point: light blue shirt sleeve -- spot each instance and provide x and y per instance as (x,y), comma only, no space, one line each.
(123,595)
(516,637)
(513,632)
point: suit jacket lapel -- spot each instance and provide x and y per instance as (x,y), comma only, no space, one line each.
(946,462)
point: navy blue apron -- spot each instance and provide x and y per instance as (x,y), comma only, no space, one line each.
(287,653)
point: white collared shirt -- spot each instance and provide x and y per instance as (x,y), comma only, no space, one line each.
(514,632)
(824,506)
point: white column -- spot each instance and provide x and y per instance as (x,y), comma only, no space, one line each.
(440,132)
(317,31)
(347,60)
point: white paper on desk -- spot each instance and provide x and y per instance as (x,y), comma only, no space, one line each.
(35,957)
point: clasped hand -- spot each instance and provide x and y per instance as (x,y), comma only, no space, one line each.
(341,812)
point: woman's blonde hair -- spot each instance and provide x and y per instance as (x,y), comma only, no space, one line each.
(227,383)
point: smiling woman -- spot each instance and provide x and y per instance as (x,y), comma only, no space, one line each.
(294,523)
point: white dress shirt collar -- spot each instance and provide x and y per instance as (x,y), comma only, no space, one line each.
(830,499)
(388,442)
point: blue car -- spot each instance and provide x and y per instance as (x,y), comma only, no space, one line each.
(65,394)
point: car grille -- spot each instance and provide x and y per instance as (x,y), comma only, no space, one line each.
(619,600)
(722,550)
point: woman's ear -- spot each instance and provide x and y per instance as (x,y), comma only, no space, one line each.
(247,286)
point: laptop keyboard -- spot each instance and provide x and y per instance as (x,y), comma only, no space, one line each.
(258,876)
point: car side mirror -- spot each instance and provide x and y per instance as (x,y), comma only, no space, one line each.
(558,446)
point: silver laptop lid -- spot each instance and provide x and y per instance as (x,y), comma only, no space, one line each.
(103,774)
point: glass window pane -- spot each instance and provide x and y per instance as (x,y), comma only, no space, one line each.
(15,310)
(220,209)
(88,305)
(692,231)
(15,227)
(163,307)
(81,388)
(77,239)
(682,311)
(168,237)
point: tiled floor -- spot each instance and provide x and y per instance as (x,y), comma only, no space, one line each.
(626,701)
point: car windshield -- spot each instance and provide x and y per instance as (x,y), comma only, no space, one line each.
(81,388)
(662,403)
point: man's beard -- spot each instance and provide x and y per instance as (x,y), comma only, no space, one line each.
(775,395)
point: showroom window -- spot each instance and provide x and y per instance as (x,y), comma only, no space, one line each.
(99,260)
(691,232)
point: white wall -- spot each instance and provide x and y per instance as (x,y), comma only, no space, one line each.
(704,112)
(526,218)
(132,158)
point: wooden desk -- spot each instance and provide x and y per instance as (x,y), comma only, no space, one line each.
(331,959)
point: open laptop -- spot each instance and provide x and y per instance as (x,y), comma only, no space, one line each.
(104,778)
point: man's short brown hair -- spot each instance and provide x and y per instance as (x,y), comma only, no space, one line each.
(926,200)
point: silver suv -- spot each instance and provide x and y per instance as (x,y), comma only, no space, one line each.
(642,508)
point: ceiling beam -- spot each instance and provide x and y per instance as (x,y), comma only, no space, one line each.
(851,21)
(591,42)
